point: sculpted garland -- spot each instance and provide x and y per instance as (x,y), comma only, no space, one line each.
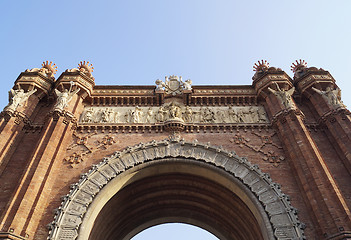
(173,111)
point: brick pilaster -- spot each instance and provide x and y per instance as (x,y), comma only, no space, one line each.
(24,211)
(330,213)
(314,84)
(12,121)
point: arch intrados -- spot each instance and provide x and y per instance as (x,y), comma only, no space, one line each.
(82,201)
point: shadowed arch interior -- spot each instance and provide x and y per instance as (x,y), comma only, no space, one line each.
(167,193)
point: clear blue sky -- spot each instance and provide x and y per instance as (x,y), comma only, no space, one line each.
(210,42)
(172,231)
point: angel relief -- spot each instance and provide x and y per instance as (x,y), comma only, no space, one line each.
(63,98)
(284,95)
(333,96)
(17,98)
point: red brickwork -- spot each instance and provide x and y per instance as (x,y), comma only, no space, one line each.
(304,150)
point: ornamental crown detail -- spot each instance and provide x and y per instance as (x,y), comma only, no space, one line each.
(299,65)
(261,66)
(47,69)
(84,66)
(49,66)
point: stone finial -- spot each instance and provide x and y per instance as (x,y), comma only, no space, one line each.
(86,67)
(52,68)
(261,66)
(299,65)
(48,69)
(83,67)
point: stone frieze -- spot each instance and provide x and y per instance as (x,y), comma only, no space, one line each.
(173,111)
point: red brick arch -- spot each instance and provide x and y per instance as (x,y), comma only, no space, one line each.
(168,161)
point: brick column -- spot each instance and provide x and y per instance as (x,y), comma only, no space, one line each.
(14,117)
(319,87)
(329,211)
(27,207)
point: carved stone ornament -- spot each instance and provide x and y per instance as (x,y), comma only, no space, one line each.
(83,67)
(284,95)
(283,217)
(173,111)
(83,146)
(64,97)
(268,148)
(17,98)
(173,85)
(298,68)
(332,96)
(48,69)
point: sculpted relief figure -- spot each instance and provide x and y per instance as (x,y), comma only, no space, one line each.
(128,116)
(106,115)
(17,98)
(160,117)
(240,116)
(233,117)
(207,115)
(149,115)
(174,111)
(89,116)
(332,96)
(159,85)
(187,84)
(136,115)
(188,114)
(284,96)
(63,98)
(221,116)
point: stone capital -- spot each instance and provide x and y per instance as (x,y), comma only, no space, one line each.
(264,78)
(307,78)
(80,80)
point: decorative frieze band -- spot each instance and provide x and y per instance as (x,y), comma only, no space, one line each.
(172,111)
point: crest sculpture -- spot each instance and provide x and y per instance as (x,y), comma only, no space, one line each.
(173,85)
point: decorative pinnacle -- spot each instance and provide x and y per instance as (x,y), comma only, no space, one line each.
(48,65)
(262,65)
(298,65)
(85,65)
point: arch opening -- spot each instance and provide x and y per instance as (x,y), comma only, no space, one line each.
(175,181)
(179,190)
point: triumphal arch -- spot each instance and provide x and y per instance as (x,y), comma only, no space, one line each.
(270,160)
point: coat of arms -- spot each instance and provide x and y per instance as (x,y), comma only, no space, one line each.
(173,85)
